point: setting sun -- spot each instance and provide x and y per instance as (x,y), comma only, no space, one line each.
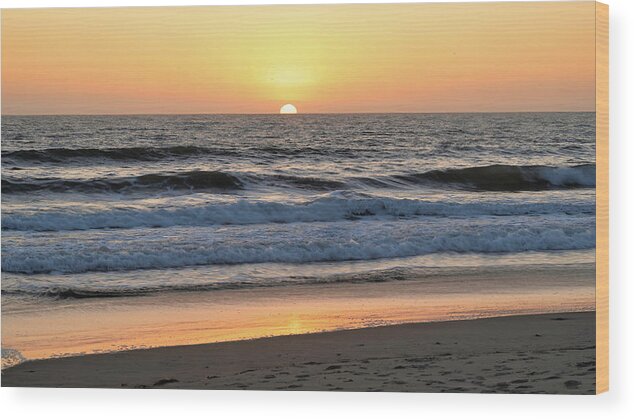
(288,109)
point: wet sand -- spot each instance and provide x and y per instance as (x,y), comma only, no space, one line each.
(52,328)
(548,353)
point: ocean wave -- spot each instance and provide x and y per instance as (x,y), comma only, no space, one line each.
(86,291)
(289,243)
(510,178)
(482,178)
(188,180)
(332,207)
(61,155)
(429,268)
(150,154)
(192,180)
(312,183)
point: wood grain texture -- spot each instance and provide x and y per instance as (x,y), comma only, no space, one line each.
(602,245)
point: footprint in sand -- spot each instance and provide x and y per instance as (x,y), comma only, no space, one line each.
(164,381)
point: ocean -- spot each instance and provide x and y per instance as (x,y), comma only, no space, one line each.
(102,207)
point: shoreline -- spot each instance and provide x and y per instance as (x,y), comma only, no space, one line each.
(44,330)
(541,353)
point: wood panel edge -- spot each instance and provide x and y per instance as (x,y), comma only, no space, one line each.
(602,195)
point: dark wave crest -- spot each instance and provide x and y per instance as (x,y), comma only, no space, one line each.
(483,178)
(193,180)
(510,178)
(63,155)
(57,155)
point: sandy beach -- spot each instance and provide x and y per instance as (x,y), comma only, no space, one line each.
(547,353)
(55,328)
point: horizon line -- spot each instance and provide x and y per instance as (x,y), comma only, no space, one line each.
(297,114)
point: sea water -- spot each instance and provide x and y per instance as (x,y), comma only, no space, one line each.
(116,206)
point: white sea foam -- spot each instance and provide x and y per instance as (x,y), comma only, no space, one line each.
(583,175)
(332,207)
(105,250)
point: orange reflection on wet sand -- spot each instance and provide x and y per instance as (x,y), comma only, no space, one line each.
(89,326)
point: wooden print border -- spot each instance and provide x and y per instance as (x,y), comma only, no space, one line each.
(602,195)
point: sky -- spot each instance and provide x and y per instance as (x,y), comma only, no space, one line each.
(434,57)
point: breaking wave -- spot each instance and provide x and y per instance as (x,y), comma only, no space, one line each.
(192,180)
(483,178)
(511,178)
(289,243)
(333,207)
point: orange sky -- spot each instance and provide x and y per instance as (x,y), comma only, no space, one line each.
(447,57)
